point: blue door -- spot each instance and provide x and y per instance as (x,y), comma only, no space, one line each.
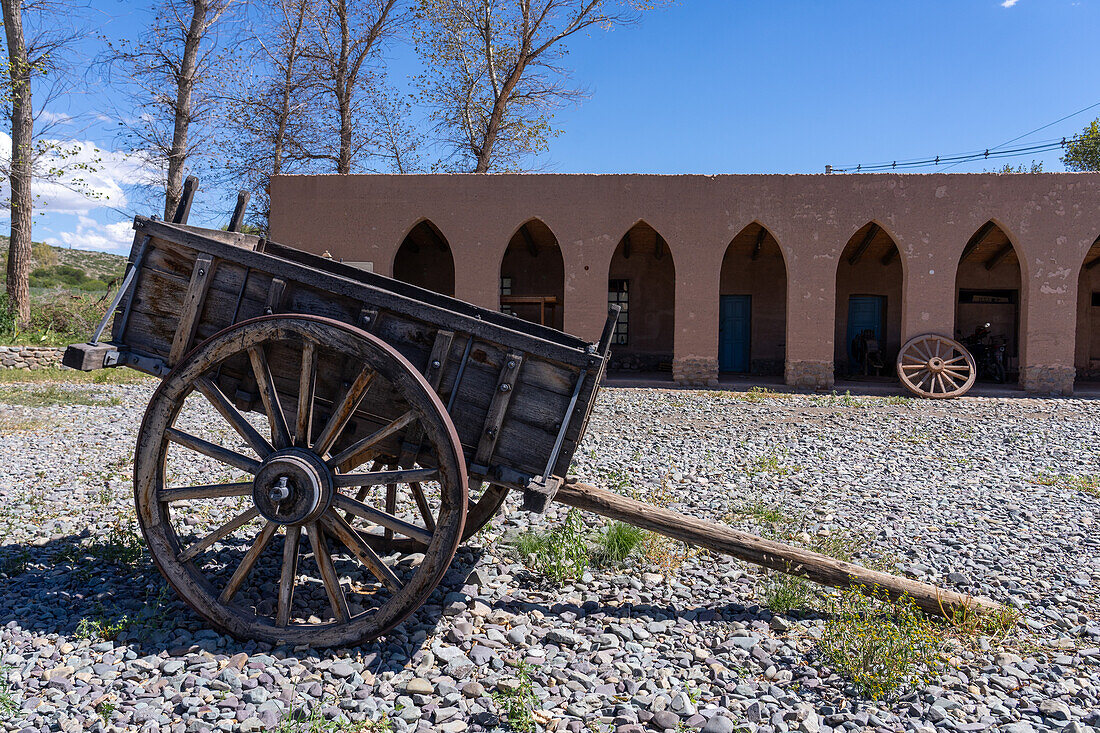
(865,313)
(734,333)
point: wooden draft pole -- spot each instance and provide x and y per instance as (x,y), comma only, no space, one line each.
(775,555)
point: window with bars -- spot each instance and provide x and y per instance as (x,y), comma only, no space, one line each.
(506,289)
(618,293)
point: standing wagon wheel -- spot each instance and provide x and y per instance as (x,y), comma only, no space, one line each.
(252,483)
(936,366)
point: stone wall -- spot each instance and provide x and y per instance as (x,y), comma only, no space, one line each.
(695,371)
(30,357)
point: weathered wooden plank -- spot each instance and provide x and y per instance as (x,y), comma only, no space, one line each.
(494,417)
(191,309)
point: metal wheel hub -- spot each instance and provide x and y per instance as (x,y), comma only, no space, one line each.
(292,487)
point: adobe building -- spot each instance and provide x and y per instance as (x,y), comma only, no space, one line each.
(750,274)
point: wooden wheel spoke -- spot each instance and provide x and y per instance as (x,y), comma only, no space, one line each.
(381,518)
(955,360)
(919,348)
(422,505)
(210,491)
(920,365)
(947,379)
(288,575)
(363,552)
(343,411)
(218,453)
(232,415)
(359,452)
(375,478)
(248,562)
(280,432)
(956,373)
(307,385)
(328,573)
(221,532)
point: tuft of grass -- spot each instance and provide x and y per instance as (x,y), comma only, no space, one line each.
(970,622)
(516,705)
(105,710)
(616,543)
(1088,484)
(785,593)
(559,554)
(879,645)
(760,394)
(665,555)
(15,424)
(53,395)
(771,463)
(762,513)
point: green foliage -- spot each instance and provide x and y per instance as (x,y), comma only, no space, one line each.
(762,513)
(560,553)
(105,710)
(1035,167)
(58,318)
(881,646)
(8,706)
(771,463)
(1083,150)
(71,376)
(516,704)
(616,543)
(101,629)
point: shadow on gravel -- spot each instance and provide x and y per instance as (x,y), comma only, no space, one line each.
(62,586)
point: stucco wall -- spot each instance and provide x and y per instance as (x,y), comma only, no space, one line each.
(1052,219)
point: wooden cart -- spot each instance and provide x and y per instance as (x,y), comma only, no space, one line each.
(383,422)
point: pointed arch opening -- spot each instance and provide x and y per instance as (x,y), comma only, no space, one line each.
(424,259)
(641,279)
(869,281)
(532,276)
(987,302)
(1087,344)
(752,312)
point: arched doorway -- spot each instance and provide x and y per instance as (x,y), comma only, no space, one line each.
(425,259)
(752,311)
(867,333)
(1087,346)
(642,280)
(987,290)
(532,276)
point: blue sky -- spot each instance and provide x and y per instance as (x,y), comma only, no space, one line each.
(736,86)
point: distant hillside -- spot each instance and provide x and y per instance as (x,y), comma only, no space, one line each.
(73,269)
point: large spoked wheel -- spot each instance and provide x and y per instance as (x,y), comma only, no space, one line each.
(232,503)
(936,366)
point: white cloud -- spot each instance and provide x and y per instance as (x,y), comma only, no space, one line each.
(48,117)
(1009,3)
(78,190)
(94,235)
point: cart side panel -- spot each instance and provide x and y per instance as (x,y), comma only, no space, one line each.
(542,390)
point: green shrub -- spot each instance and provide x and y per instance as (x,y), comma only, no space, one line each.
(880,646)
(785,593)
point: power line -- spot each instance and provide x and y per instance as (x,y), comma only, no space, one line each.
(954,160)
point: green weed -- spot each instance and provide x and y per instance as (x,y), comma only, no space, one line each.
(8,706)
(616,543)
(1087,484)
(73,376)
(785,593)
(516,704)
(880,646)
(101,629)
(761,513)
(771,463)
(105,710)
(560,553)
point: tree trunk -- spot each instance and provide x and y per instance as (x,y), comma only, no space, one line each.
(177,156)
(344,92)
(22,131)
(485,156)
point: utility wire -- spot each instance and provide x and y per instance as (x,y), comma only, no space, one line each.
(954,160)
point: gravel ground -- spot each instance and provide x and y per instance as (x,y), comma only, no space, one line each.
(975,494)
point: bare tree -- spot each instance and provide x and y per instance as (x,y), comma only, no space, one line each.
(172,77)
(346,35)
(272,120)
(38,34)
(494,79)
